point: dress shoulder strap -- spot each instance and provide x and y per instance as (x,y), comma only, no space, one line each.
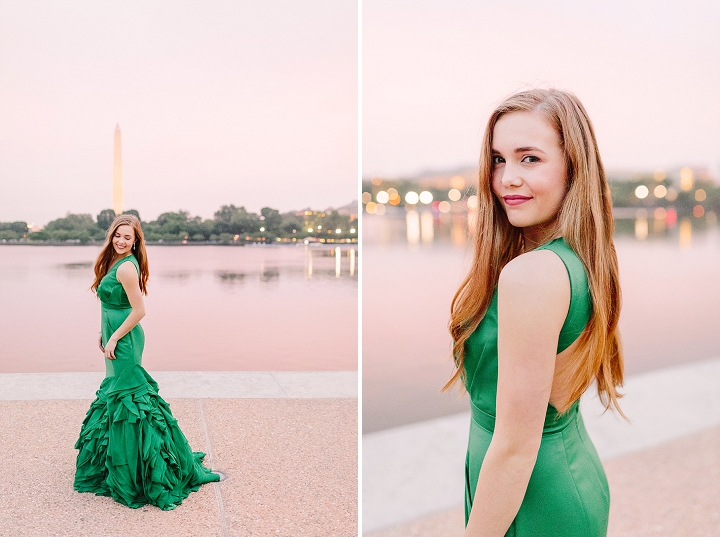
(580,299)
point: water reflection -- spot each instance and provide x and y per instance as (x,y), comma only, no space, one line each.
(230,278)
(412,220)
(209,308)
(427,227)
(418,228)
(75,266)
(685,233)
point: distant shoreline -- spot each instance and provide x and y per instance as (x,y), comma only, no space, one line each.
(179,244)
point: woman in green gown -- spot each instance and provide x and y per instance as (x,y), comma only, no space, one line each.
(130,446)
(534,323)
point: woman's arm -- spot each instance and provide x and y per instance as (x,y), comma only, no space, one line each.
(533,301)
(127,275)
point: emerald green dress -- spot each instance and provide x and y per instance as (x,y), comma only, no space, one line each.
(130,446)
(567,495)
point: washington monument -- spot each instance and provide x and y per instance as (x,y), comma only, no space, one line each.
(117,175)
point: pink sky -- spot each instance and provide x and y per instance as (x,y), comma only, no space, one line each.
(648,73)
(219,102)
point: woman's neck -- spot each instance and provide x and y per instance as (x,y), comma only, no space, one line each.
(538,235)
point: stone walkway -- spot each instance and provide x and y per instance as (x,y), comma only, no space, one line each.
(666,491)
(663,467)
(291,462)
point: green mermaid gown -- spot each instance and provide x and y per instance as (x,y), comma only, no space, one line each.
(567,495)
(130,446)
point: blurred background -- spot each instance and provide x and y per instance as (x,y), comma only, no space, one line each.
(232,129)
(432,75)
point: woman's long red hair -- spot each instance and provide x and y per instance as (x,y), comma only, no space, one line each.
(585,222)
(107,254)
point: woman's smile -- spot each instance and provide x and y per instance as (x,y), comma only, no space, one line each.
(516,200)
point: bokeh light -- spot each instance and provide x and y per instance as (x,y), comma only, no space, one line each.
(641,192)
(380,209)
(472,202)
(686,179)
(412,198)
(698,211)
(660,191)
(700,195)
(366,197)
(370,207)
(444,207)
(671,195)
(426,197)
(382,197)
(659,175)
(454,194)
(457,182)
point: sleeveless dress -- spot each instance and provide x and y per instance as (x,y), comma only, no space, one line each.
(567,495)
(130,446)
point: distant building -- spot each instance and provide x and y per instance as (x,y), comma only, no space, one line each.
(351,210)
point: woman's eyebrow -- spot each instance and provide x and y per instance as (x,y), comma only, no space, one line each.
(529,148)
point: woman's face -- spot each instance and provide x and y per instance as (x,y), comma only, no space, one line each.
(123,239)
(529,174)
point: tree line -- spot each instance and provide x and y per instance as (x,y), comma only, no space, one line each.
(230,224)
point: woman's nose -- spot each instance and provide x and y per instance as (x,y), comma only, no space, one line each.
(511,175)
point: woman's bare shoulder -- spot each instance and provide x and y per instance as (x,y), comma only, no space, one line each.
(539,274)
(127,272)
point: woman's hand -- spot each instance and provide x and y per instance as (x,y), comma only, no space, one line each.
(100,343)
(109,349)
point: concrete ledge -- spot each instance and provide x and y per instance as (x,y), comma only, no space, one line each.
(190,385)
(418,469)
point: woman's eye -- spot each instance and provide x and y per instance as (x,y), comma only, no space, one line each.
(497,159)
(530,158)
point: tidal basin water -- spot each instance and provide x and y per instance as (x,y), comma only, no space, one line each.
(413,264)
(209,308)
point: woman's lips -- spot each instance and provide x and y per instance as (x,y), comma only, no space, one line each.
(515,200)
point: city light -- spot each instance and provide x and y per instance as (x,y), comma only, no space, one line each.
(412,198)
(686,179)
(319,226)
(700,195)
(457,182)
(641,192)
(262,229)
(382,197)
(472,202)
(454,194)
(444,207)
(394,197)
(310,230)
(352,230)
(426,197)
(338,230)
(370,207)
(660,191)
